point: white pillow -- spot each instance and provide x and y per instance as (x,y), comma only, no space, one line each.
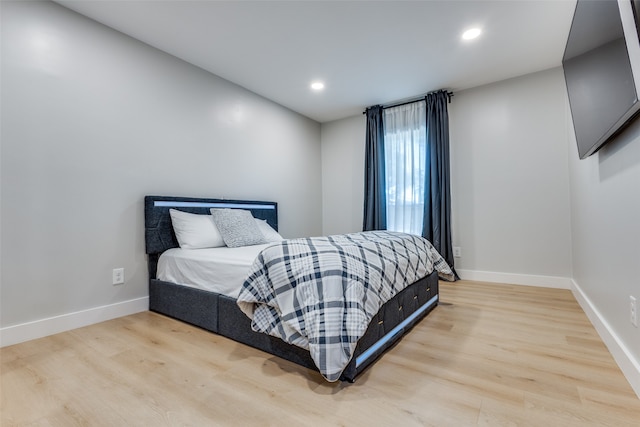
(238,227)
(195,231)
(270,235)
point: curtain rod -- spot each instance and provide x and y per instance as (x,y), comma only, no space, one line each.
(449,96)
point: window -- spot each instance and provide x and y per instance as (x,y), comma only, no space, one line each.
(407,170)
(405,147)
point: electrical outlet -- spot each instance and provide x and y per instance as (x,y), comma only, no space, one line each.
(457,251)
(118,276)
(633,311)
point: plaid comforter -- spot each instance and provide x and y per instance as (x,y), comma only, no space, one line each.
(321,293)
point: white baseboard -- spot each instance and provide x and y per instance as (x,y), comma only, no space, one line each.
(516,279)
(53,325)
(629,366)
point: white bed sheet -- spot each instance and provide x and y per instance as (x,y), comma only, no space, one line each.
(222,270)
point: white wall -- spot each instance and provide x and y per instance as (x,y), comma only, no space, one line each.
(509,173)
(605,222)
(343,175)
(93,120)
(509,181)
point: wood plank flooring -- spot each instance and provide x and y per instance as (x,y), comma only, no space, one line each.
(488,355)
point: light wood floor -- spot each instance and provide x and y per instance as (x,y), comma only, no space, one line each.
(489,355)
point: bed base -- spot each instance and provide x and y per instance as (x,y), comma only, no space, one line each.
(220,314)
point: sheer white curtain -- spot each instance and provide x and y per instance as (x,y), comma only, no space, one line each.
(405,148)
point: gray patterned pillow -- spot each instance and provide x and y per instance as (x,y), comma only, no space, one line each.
(237,227)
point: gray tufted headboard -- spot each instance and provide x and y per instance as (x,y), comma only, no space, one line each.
(159,235)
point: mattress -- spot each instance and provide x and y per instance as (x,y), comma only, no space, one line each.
(221,270)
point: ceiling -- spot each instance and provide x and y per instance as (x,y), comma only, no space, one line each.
(366,52)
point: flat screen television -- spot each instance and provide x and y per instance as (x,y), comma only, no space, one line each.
(601,66)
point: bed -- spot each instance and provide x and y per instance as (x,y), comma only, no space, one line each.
(221,314)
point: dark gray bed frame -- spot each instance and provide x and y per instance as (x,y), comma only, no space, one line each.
(220,314)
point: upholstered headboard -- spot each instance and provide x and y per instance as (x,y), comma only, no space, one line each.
(159,235)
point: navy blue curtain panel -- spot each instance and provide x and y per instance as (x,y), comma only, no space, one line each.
(375,203)
(437,200)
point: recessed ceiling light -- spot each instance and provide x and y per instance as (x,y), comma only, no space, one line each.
(471,33)
(317,85)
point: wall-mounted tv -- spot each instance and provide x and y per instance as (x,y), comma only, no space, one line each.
(601,65)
